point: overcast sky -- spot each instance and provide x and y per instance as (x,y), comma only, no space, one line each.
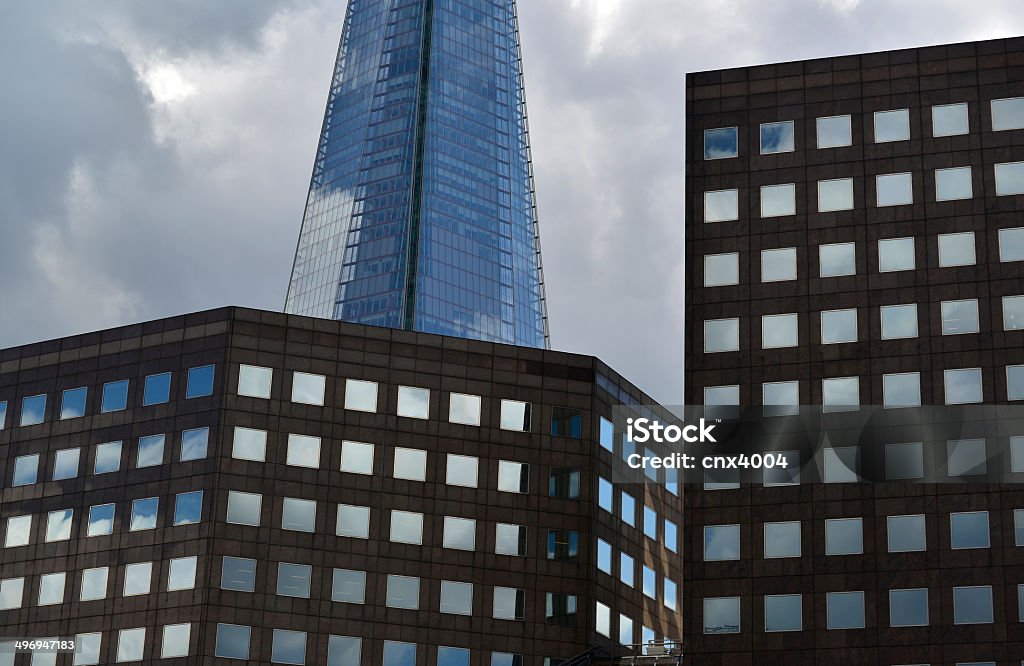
(155,156)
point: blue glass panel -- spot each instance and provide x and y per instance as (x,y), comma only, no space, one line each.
(449,656)
(115,396)
(188,508)
(157,390)
(33,409)
(72,403)
(200,381)
(720,143)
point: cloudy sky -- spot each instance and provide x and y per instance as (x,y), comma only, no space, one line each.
(155,156)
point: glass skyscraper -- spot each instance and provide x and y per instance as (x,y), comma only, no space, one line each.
(421,211)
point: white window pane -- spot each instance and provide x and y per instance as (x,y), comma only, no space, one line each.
(289,647)
(844,536)
(603,619)
(94,584)
(904,461)
(722,615)
(953,184)
(413,402)
(720,396)
(151,451)
(18,532)
(836,194)
(782,539)
(956,249)
(360,396)
(837,259)
(901,389)
(357,457)
(26,470)
(1009,178)
(66,464)
(244,508)
(51,588)
(513,477)
(721,269)
(1013,313)
(949,120)
(462,471)
(108,458)
(464,408)
(721,206)
(410,464)
(137,578)
(130,644)
(249,444)
(508,604)
(1015,382)
(353,521)
(780,398)
(782,612)
(181,573)
(403,592)
(840,393)
(87,649)
(303,451)
(625,630)
(834,131)
(175,640)
(841,464)
(779,331)
(1007,113)
(959,317)
(58,525)
(308,389)
(627,569)
(720,143)
(515,415)
(777,137)
(406,527)
(254,381)
(459,533)
(892,125)
(838,326)
(966,457)
(344,651)
(845,610)
(962,386)
(721,335)
(778,200)
(896,254)
(894,189)
(1011,244)
(906,533)
(778,265)
(298,515)
(144,514)
(12,590)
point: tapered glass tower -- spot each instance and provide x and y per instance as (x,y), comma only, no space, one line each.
(421,211)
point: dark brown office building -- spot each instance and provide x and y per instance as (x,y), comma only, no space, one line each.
(855,237)
(269,488)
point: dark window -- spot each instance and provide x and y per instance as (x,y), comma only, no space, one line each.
(566,422)
(157,389)
(564,483)
(115,396)
(560,609)
(200,381)
(563,544)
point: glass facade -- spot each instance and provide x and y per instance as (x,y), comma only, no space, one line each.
(421,212)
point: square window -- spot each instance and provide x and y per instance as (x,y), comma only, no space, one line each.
(777,137)
(894,189)
(353,521)
(899,321)
(348,587)
(778,200)
(969,529)
(410,464)
(834,131)
(403,592)
(94,584)
(782,539)
(896,254)
(199,384)
(399,654)
(108,458)
(1013,313)
(566,422)
(175,640)
(244,508)
(462,471)
(782,612)
(357,457)
(959,317)
(137,578)
(721,206)
(1007,113)
(908,608)
(845,610)
(515,415)
(783,476)
(560,609)
(904,461)
(513,477)
(406,527)
(508,604)
(972,605)
(835,194)
(87,649)
(413,403)
(966,457)
(12,591)
(238,574)
(836,259)
(509,540)
(840,394)
(844,536)
(33,410)
(293,580)
(303,451)
(194,443)
(778,265)
(255,381)
(456,598)
(906,534)
(459,533)
(956,249)
(72,403)
(115,397)
(720,143)
(18,532)
(721,269)
(308,389)
(232,641)
(66,464)
(360,395)
(58,525)
(778,331)
(131,643)
(1011,244)
(157,389)
(722,615)
(26,470)
(962,386)
(1009,178)
(289,647)
(721,542)
(838,326)
(563,544)
(507,659)
(101,520)
(902,389)
(181,573)
(464,409)
(151,451)
(721,335)
(564,483)
(892,125)
(249,444)
(298,515)
(51,588)
(949,120)
(953,184)
(841,464)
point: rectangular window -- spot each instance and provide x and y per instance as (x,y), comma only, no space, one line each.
(462,471)
(1015,382)
(19,531)
(671,536)
(560,609)
(410,464)
(722,615)
(838,326)
(406,527)
(962,386)
(255,381)
(972,605)
(450,656)
(244,508)
(303,451)
(131,643)
(399,654)
(901,389)
(777,137)
(144,512)
(357,457)
(353,521)
(721,269)
(238,574)
(1007,113)
(87,649)
(308,389)
(845,610)
(566,422)
(413,402)
(464,409)
(605,495)
(232,641)
(603,619)
(1011,244)
(175,640)
(138,578)
(114,397)
(1018,527)
(194,444)
(66,464)
(953,184)
(778,200)
(782,612)
(606,434)
(969,529)
(181,573)
(837,259)
(959,317)
(507,659)
(33,410)
(604,556)
(1009,178)
(670,594)
(778,265)
(403,592)
(51,588)
(564,483)
(834,131)
(625,630)
(293,580)
(904,461)
(721,206)
(841,464)
(1013,313)
(58,525)
(896,254)
(157,389)
(459,533)
(515,415)
(72,403)
(456,598)
(908,608)
(3,414)
(782,539)
(509,539)
(151,451)
(563,544)
(899,321)
(892,125)
(894,189)
(94,584)
(778,331)
(835,194)
(949,120)
(12,591)
(349,587)
(780,398)
(360,395)
(101,520)
(721,542)
(509,604)
(298,515)
(513,477)
(722,396)
(721,335)
(249,444)
(906,534)
(721,143)
(199,382)
(26,470)
(627,509)
(844,536)
(649,582)
(650,523)
(840,394)
(956,249)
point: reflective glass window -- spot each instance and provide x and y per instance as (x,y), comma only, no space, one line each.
(895,254)
(949,120)
(722,615)
(293,580)
(464,409)
(513,477)
(345,651)
(181,573)
(249,444)
(564,482)
(232,641)
(353,521)
(33,409)
(894,189)
(101,520)
(844,536)
(956,249)
(289,647)
(835,194)
(1011,244)
(254,381)
(175,641)
(360,395)
(303,451)
(509,539)
(969,529)
(1015,382)
(459,533)
(1013,313)
(627,509)
(837,259)
(12,591)
(908,608)
(972,605)
(298,515)
(777,137)
(244,508)
(720,143)
(399,654)
(721,206)
(953,184)
(962,386)
(901,389)
(151,451)
(841,464)
(348,586)
(65,464)
(94,584)
(456,598)
(782,612)
(904,461)
(410,464)
(157,389)
(778,200)
(515,415)
(26,470)
(308,389)
(721,395)
(58,525)
(845,610)
(108,458)
(18,532)
(721,335)
(838,326)
(721,269)
(833,131)
(131,643)
(959,317)
(72,403)
(406,527)
(144,512)
(238,574)
(87,649)
(115,396)
(892,125)
(778,265)
(840,393)
(721,542)
(413,402)
(462,470)
(199,382)
(138,578)
(778,331)
(403,592)
(1009,178)
(782,539)
(451,656)
(1007,113)
(906,533)
(51,588)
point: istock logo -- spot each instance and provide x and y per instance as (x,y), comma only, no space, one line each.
(643,430)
